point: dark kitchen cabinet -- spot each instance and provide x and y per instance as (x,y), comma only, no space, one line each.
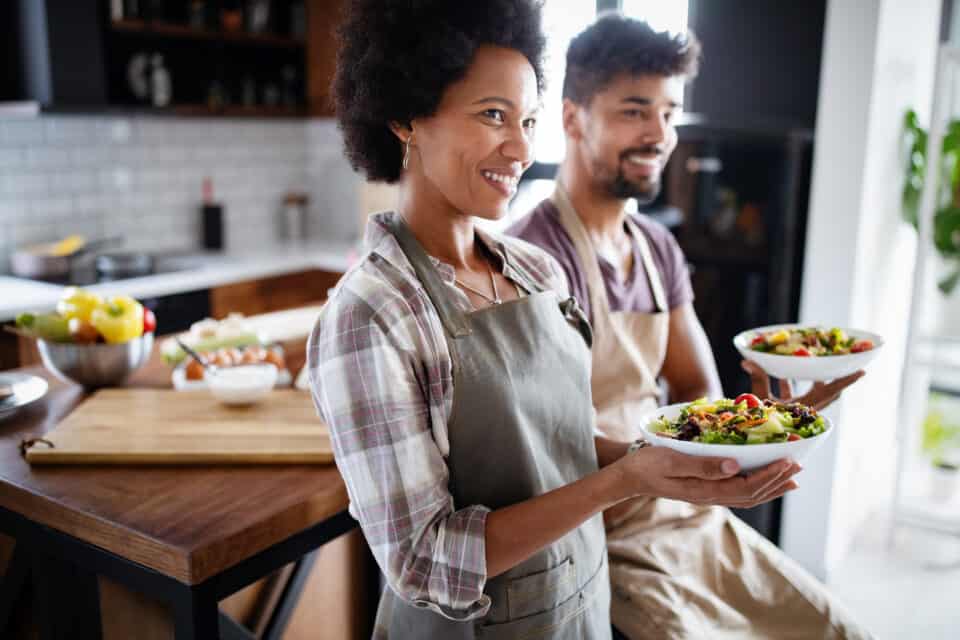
(58,58)
(761,61)
(222,57)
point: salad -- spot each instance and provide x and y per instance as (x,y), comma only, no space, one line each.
(808,342)
(745,420)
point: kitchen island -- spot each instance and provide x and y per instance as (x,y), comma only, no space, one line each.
(149,551)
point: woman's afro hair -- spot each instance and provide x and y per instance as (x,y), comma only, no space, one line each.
(397,57)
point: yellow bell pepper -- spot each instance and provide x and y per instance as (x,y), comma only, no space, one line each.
(78,303)
(118,319)
(780,337)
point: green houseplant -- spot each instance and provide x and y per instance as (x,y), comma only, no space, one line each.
(940,442)
(946,221)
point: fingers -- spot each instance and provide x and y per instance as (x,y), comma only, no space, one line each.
(823,395)
(783,489)
(760,486)
(835,387)
(822,403)
(685,466)
(786,389)
(763,494)
(759,380)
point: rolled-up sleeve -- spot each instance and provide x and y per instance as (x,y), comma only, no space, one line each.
(370,384)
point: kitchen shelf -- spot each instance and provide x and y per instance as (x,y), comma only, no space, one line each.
(182,32)
(235,111)
(932,361)
(919,508)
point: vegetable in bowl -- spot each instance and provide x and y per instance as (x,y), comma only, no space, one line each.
(770,430)
(809,341)
(745,420)
(800,352)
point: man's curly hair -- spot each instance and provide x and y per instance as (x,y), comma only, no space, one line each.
(616,44)
(397,57)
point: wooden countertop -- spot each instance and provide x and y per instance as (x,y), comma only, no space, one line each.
(187,522)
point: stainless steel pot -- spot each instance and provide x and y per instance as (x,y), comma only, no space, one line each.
(31,262)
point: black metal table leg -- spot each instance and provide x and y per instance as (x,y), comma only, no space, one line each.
(12,585)
(230,629)
(64,571)
(289,597)
(196,615)
(67,599)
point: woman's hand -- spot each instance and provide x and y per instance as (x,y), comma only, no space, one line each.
(821,395)
(664,473)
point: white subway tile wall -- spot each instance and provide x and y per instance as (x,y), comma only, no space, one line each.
(141,177)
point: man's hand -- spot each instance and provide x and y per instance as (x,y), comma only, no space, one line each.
(664,473)
(820,396)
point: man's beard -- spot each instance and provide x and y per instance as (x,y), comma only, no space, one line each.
(618,186)
(621,188)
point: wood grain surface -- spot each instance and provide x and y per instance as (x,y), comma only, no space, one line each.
(186,522)
(162,426)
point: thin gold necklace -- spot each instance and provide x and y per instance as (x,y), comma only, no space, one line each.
(496,294)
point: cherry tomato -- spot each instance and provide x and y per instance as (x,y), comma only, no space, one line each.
(757,341)
(861,345)
(751,400)
(793,437)
(149,321)
(802,352)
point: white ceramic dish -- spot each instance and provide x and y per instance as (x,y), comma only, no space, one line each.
(180,382)
(243,384)
(750,456)
(817,368)
(26,389)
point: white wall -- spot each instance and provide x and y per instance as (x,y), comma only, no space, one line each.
(334,188)
(878,60)
(141,177)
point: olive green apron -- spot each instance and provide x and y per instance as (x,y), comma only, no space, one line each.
(521,425)
(680,570)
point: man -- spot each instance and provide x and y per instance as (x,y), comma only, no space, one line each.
(678,570)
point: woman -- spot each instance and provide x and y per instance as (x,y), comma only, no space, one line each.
(451,365)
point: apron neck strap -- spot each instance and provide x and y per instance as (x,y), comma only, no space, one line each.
(653,275)
(453,318)
(597,289)
(570,221)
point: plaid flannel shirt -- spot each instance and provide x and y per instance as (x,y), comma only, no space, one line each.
(381,377)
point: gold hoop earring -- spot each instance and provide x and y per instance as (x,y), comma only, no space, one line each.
(406,152)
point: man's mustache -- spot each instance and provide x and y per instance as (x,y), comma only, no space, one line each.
(645,150)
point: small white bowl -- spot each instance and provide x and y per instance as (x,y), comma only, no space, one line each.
(816,368)
(750,456)
(178,378)
(242,384)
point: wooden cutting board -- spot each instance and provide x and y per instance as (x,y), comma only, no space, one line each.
(161,426)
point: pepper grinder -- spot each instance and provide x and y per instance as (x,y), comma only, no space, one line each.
(294,218)
(211,217)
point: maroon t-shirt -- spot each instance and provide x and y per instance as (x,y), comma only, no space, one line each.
(542,227)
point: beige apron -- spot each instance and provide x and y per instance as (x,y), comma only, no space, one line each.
(680,570)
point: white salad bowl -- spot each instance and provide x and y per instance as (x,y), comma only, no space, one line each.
(816,368)
(749,456)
